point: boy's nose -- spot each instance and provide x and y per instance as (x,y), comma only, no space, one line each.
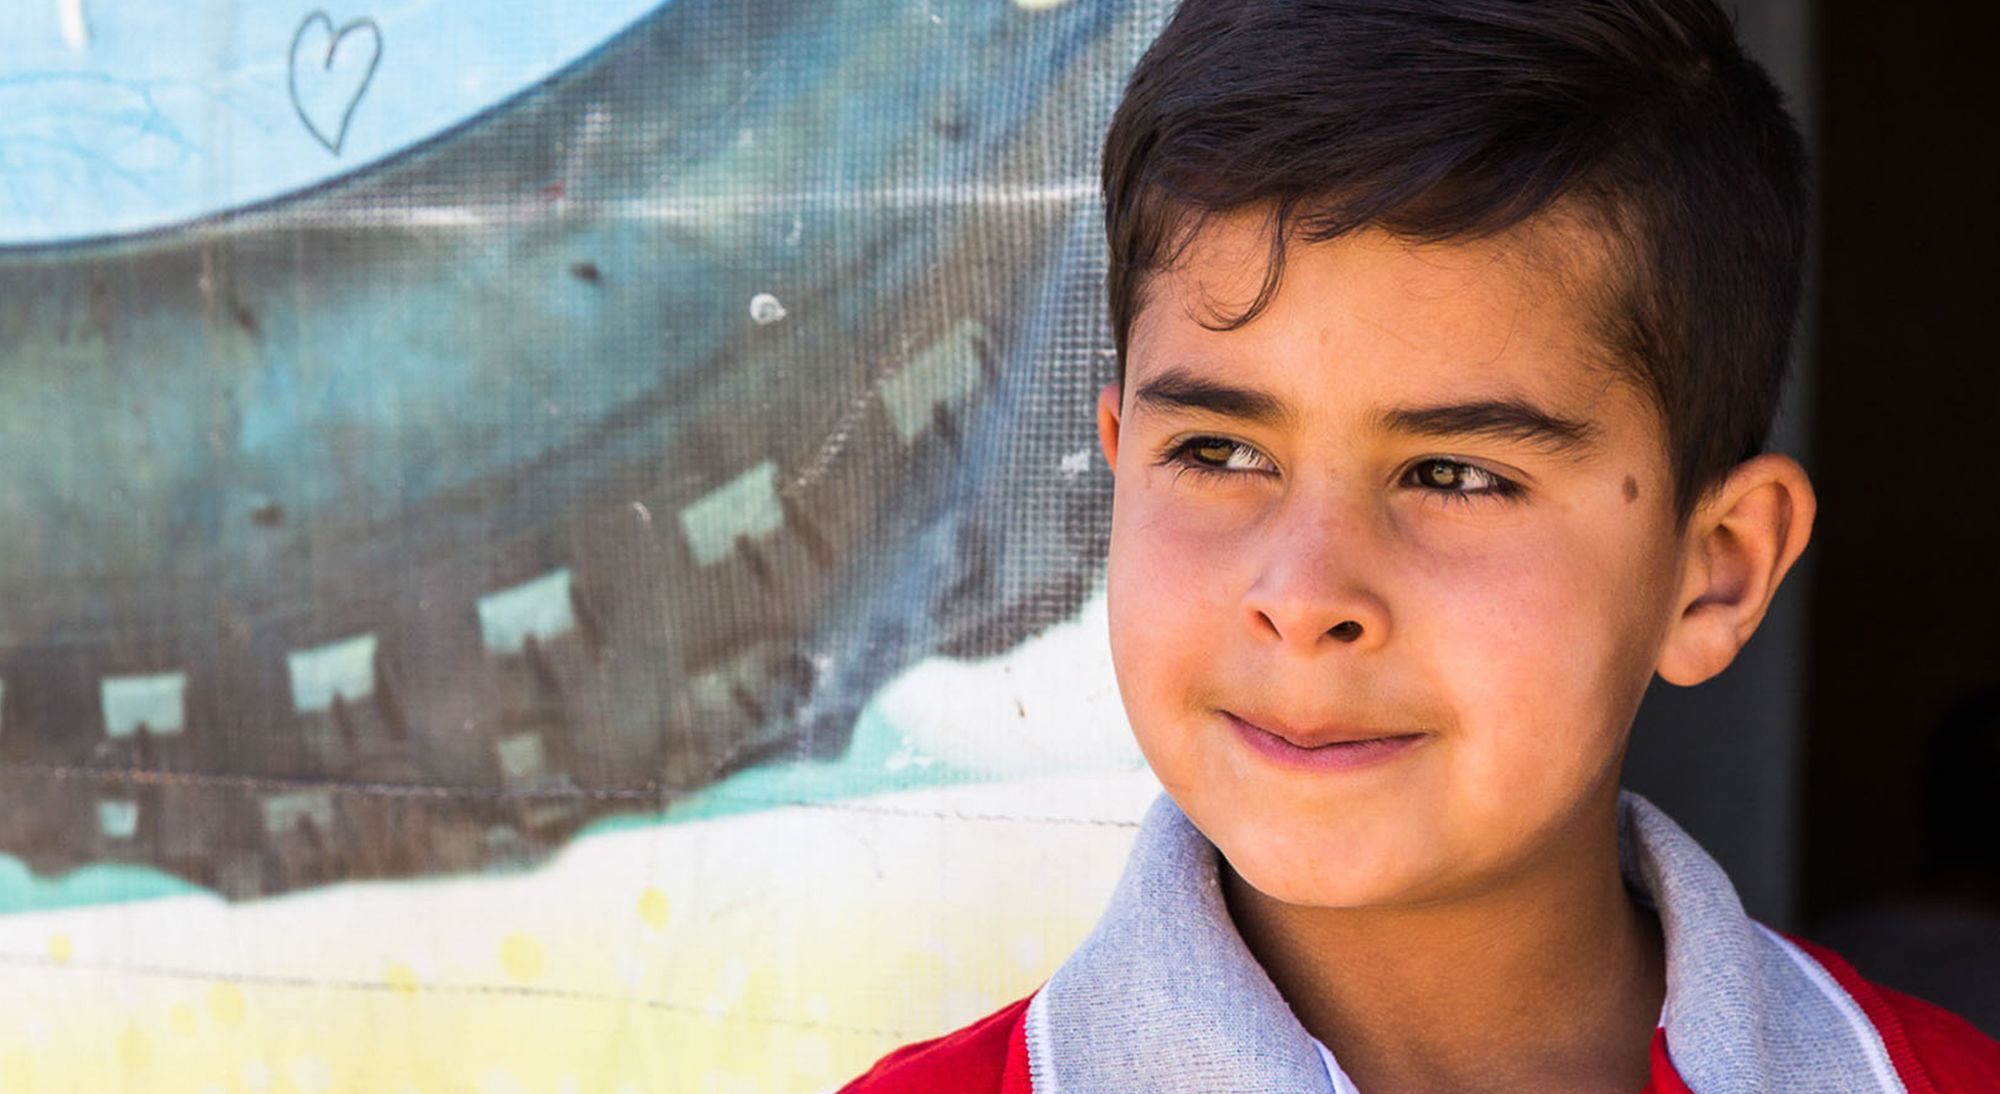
(1311,590)
(1309,626)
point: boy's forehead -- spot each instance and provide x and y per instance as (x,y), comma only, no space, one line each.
(1520,313)
(1224,261)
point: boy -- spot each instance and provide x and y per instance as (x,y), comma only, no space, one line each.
(1450,334)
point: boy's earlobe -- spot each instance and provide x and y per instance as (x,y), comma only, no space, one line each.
(1743,538)
(1107,421)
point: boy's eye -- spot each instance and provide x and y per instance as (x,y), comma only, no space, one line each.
(1216,456)
(1455,481)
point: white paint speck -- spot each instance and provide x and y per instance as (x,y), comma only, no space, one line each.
(1076,463)
(730,982)
(906,756)
(1026,951)
(75,28)
(310,1074)
(645,514)
(765,309)
(810,1056)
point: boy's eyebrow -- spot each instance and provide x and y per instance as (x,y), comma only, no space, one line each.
(1507,419)
(1179,390)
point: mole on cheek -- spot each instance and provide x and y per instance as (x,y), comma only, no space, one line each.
(1631,489)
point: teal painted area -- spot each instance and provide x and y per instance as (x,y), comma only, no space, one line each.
(22,891)
(876,762)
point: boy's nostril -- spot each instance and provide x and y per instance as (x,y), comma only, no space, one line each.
(1347,631)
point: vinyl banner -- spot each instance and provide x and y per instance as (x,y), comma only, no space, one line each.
(548,547)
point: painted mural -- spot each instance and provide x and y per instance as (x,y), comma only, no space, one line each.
(548,547)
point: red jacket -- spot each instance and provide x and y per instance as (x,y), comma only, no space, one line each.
(1935,1051)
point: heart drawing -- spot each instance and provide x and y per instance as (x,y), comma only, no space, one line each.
(330,71)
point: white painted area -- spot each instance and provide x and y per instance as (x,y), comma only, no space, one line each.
(311,1075)
(521,757)
(541,607)
(75,28)
(157,701)
(345,668)
(118,818)
(746,506)
(282,812)
(765,309)
(1050,704)
(946,374)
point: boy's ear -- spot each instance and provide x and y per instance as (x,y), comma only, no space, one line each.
(1741,540)
(1108,406)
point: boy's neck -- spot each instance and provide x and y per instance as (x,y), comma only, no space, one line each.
(1551,981)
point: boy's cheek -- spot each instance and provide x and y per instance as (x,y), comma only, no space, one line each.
(1165,564)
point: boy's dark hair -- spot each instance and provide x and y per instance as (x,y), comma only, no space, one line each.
(1455,119)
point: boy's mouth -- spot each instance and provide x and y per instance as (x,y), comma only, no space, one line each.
(1322,747)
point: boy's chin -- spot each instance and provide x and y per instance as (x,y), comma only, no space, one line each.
(1302,874)
(1312,892)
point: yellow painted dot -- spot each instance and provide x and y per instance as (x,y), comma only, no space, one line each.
(523,957)
(17,1072)
(225,1005)
(135,1048)
(60,950)
(403,980)
(181,1019)
(653,907)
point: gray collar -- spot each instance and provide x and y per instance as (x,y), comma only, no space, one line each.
(1163,996)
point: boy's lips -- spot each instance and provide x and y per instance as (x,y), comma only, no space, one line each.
(1317,736)
(1323,748)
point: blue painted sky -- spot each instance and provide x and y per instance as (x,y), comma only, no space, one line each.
(118,117)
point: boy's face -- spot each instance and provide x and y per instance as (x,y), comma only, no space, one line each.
(1390,566)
